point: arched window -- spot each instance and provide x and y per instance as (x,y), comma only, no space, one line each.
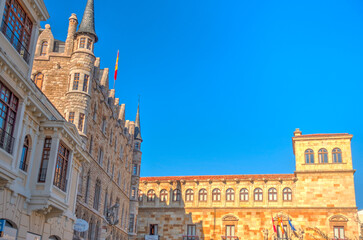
(309,156)
(38,80)
(91,229)
(163,196)
(24,160)
(287,194)
(203,195)
(272,195)
(141,196)
(216,195)
(43,48)
(176,195)
(337,155)
(230,195)
(323,156)
(97,196)
(189,195)
(97,230)
(105,205)
(119,179)
(151,196)
(258,195)
(243,195)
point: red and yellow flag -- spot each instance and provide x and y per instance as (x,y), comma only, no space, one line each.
(116,67)
(281,226)
(273,224)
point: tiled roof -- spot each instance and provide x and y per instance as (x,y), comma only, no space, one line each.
(221,177)
(88,20)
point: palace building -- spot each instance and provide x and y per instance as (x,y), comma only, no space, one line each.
(69,75)
(318,199)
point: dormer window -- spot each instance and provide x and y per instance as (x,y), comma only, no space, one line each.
(43,49)
(82,43)
(89,44)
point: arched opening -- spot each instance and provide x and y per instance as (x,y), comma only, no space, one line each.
(43,49)
(10,230)
(38,80)
(53,237)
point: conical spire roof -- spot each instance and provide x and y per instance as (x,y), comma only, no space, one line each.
(88,20)
(137,124)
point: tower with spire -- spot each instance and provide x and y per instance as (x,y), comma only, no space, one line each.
(70,76)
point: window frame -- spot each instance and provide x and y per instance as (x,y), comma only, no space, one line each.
(43,48)
(309,156)
(287,194)
(259,193)
(337,155)
(203,195)
(151,195)
(216,195)
(24,158)
(76,78)
(42,177)
(189,195)
(85,82)
(61,168)
(244,195)
(272,195)
(39,79)
(176,195)
(323,156)
(163,195)
(230,195)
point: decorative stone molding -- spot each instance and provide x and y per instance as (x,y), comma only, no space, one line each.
(338,218)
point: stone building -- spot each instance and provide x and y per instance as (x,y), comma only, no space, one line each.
(69,74)
(318,199)
(40,152)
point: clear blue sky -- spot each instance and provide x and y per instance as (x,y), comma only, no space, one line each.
(225,83)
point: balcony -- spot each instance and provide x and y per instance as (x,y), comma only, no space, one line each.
(14,40)
(6,141)
(190,238)
(152,237)
(230,238)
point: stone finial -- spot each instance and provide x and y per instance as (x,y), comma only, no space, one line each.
(47,26)
(111,93)
(73,17)
(297,132)
(117,101)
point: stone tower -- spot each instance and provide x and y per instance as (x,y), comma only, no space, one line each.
(135,177)
(81,72)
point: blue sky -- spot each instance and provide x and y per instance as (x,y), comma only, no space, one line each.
(224,84)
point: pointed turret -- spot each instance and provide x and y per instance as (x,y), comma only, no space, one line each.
(88,21)
(137,124)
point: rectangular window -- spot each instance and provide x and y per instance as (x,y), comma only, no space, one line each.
(131,223)
(134,170)
(76,81)
(230,232)
(82,43)
(339,233)
(61,167)
(71,117)
(17,28)
(91,145)
(45,160)
(153,229)
(89,44)
(85,83)
(96,200)
(8,110)
(133,193)
(191,231)
(81,122)
(100,157)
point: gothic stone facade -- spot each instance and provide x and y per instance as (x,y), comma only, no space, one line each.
(69,74)
(319,199)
